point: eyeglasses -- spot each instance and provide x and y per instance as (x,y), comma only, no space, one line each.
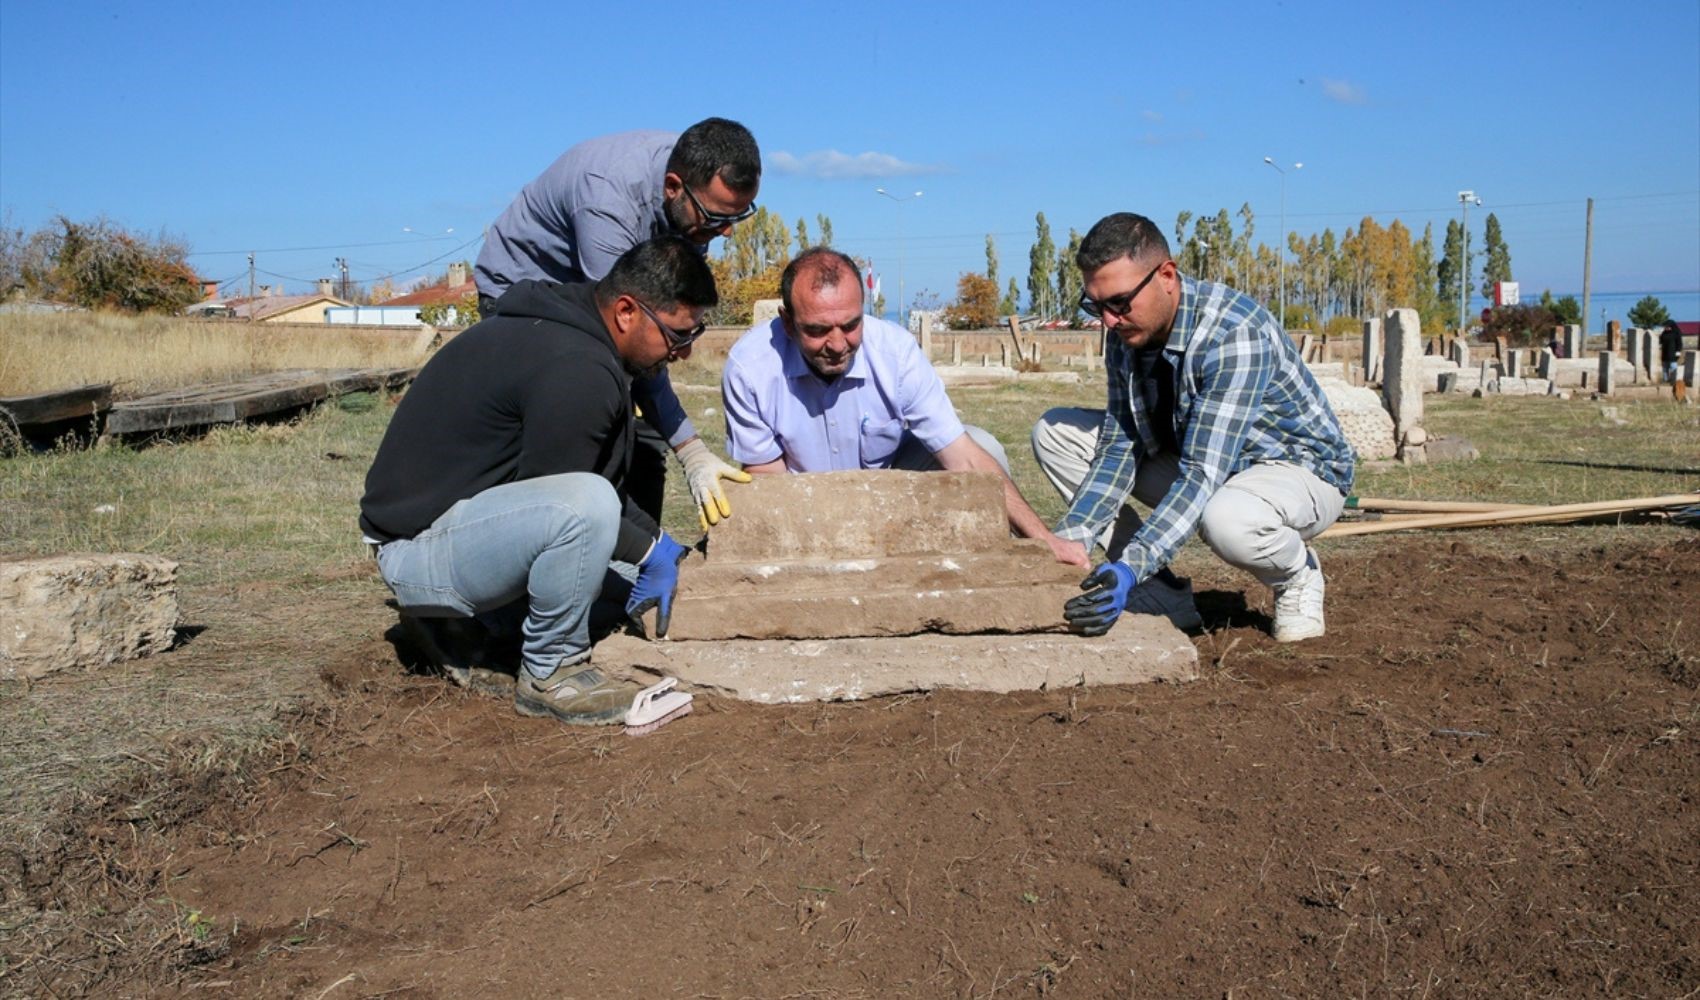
(678,340)
(715,220)
(1116,305)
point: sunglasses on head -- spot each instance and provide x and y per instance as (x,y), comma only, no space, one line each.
(1116,305)
(715,220)
(676,339)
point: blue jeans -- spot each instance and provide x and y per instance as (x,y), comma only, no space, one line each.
(546,540)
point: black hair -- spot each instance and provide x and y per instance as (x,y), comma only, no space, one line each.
(662,273)
(1123,234)
(717,147)
(826,265)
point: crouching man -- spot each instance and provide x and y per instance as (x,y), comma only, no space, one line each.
(825,388)
(500,484)
(1212,421)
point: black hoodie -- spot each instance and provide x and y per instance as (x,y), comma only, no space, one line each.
(536,390)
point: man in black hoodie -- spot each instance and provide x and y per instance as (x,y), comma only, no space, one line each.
(502,476)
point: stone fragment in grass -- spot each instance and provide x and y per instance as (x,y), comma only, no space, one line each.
(77,611)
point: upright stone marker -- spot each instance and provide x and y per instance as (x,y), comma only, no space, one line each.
(1372,350)
(1514,363)
(1690,367)
(1460,353)
(1650,355)
(956,351)
(926,335)
(1608,374)
(1614,336)
(1003,355)
(1573,340)
(1546,369)
(1402,371)
(1633,344)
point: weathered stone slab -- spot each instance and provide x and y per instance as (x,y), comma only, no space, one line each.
(864,514)
(1372,350)
(67,612)
(1368,427)
(1141,648)
(1403,374)
(1018,591)
(1607,373)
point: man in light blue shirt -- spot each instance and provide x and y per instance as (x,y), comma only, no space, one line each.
(601,198)
(825,388)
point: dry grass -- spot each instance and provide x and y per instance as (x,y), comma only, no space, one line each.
(42,353)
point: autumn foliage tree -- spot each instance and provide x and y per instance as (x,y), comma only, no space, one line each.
(100,264)
(976,305)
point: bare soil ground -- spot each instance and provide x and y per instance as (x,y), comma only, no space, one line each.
(1480,782)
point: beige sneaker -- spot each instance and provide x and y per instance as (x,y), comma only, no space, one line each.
(577,694)
(1298,603)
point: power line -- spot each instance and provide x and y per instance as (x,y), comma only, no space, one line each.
(328,246)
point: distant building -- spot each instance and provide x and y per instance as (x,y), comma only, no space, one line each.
(274,307)
(449,293)
(384,315)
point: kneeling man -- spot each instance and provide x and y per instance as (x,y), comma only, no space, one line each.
(1213,421)
(825,388)
(502,481)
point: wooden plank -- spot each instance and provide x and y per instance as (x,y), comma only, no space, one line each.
(233,401)
(65,404)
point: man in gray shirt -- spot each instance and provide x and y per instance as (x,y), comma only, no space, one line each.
(601,198)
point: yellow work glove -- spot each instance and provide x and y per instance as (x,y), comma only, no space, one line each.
(703,472)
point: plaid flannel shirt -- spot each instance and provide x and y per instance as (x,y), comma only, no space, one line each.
(1242,396)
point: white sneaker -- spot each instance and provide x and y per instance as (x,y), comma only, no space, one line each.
(1168,595)
(1298,603)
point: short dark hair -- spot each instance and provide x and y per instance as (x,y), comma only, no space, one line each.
(662,273)
(1123,234)
(826,267)
(717,147)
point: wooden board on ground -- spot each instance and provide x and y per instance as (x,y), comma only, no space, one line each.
(52,407)
(234,401)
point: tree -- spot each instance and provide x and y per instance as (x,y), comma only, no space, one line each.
(99,264)
(824,226)
(1451,270)
(1498,265)
(1648,314)
(802,235)
(976,305)
(1525,324)
(1011,303)
(992,260)
(1041,259)
(1069,280)
(1565,310)
(749,266)
(455,314)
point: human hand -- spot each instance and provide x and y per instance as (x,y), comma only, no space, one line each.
(1107,590)
(703,472)
(1069,553)
(657,582)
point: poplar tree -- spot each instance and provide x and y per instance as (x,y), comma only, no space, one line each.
(1498,265)
(991,260)
(1069,280)
(1041,262)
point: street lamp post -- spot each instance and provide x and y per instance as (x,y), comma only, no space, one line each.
(902,316)
(1464,200)
(1283,247)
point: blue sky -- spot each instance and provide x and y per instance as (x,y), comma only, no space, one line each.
(334,127)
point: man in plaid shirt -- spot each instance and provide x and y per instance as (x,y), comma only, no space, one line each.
(1212,420)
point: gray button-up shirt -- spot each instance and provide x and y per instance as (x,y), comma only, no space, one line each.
(599,199)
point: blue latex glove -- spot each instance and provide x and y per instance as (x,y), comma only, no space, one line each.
(658,580)
(1107,590)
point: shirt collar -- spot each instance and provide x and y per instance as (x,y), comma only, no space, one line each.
(1186,317)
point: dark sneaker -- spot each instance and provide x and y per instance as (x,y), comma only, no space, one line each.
(464,651)
(1168,595)
(578,695)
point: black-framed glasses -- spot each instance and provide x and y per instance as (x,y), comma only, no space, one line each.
(715,220)
(677,339)
(1117,305)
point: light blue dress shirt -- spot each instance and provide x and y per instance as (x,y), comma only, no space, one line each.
(777,407)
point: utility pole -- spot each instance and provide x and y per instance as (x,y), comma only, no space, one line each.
(1464,200)
(1283,247)
(250,288)
(1587,268)
(342,271)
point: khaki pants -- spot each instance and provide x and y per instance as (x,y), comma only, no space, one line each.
(1259,520)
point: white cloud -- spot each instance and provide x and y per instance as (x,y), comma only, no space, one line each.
(1151,116)
(1344,91)
(831,165)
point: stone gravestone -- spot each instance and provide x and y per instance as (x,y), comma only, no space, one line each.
(1402,376)
(956,351)
(1514,363)
(1460,353)
(926,335)
(847,585)
(1614,335)
(1573,340)
(1650,357)
(1608,375)
(77,611)
(1690,367)
(1372,350)
(1003,355)
(1547,369)
(1632,342)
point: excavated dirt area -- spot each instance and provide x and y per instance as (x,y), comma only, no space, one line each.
(1481,782)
